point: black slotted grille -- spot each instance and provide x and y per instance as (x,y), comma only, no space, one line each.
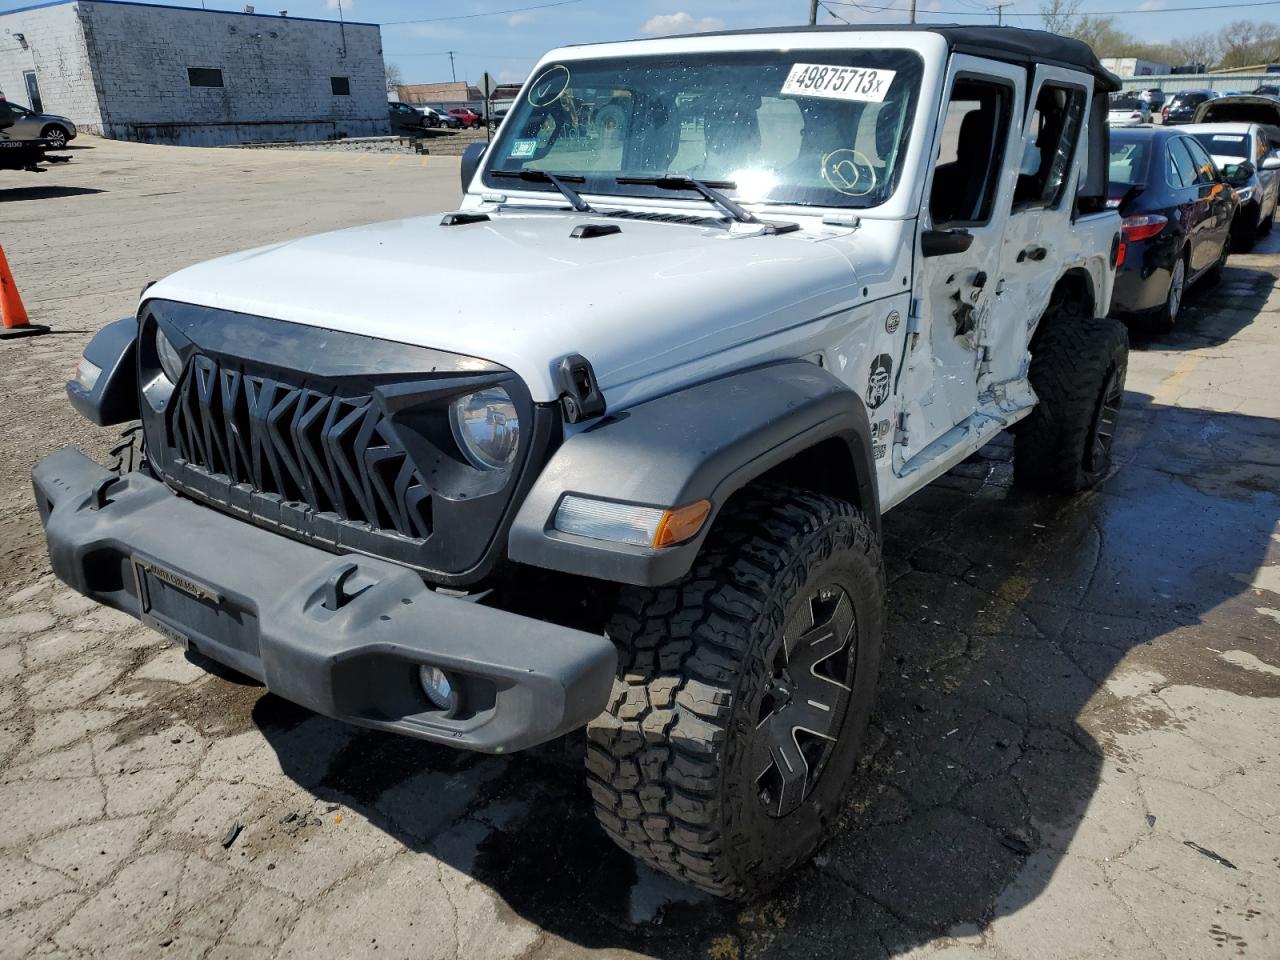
(334,454)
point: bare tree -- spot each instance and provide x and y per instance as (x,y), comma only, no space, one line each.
(1199,48)
(1247,42)
(1059,16)
(395,77)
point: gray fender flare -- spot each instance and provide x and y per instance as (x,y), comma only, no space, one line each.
(702,442)
(114,397)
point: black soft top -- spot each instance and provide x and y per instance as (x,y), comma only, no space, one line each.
(1007,44)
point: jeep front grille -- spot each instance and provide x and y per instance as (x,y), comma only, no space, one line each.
(335,454)
(336,439)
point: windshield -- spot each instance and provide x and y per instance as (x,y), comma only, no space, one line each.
(1234,145)
(816,127)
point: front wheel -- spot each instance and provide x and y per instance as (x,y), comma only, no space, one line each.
(1078,370)
(742,695)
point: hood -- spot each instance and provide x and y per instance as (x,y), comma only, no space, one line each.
(520,291)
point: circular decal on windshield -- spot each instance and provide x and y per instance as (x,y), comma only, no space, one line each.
(549,86)
(849,172)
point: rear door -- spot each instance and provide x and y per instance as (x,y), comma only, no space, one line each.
(1039,238)
(1214,207)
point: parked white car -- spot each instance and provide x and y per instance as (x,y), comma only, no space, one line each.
(1250,162)
(1128,110)
(810,272)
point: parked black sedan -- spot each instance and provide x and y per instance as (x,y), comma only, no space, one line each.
(1181,107)
(1177,212)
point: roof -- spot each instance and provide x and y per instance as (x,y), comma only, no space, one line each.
(165,6)
(1007,44)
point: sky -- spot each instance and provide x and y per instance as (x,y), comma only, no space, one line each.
(500,37)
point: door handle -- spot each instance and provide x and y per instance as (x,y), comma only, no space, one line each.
(1032,252)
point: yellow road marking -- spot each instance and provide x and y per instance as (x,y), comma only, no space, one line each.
(1167,392)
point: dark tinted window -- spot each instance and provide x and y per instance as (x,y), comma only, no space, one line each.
(341,86)
(1056,123)
(1181,168)
(1190,100)
(972,148)
(204,76)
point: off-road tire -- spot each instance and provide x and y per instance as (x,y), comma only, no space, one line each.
(1077,371)
(129,455)
(669,761)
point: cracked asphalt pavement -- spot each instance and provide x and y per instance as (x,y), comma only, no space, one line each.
(1075,751)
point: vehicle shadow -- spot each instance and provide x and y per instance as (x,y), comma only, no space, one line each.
(1008,614)
(50,192)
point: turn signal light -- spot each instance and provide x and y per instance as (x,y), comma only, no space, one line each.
(680,525)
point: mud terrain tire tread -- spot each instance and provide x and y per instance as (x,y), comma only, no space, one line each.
(658,764)
(129,454)
(1070,360)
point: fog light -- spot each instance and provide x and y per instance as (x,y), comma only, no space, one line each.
(438,688)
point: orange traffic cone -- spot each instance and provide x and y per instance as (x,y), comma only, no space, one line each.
(14,321)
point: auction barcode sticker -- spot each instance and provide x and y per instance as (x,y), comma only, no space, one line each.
(838,83)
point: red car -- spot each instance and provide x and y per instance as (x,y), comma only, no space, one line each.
(467,117)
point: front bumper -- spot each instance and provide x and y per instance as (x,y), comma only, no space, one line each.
(342,635)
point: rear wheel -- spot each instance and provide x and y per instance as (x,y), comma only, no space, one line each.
(1078,372)
(58,135)
(1164,319)
(742,695)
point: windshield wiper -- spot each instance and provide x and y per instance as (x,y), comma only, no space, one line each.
(713,195)
(556,180)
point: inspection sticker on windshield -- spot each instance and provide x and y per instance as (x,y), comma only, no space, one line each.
(524,148)
(838,83)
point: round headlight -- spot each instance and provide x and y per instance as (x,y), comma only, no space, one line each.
(486,427)
(170,359)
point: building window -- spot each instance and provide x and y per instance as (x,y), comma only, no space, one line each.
(204,76)
(341,86)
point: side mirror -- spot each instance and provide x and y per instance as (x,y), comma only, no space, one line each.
(939,243)
(471,163)
(1271,161)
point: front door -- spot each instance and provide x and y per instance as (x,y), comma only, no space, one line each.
(968,195)
(33,91)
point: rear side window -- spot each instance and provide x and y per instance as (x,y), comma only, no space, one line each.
(1180,168)
(1056,124)
(1206,171)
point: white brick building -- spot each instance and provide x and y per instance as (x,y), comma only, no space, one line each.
(138,71)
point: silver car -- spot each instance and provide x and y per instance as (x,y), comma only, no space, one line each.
(29,125)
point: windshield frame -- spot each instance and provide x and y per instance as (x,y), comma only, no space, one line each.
(924,70)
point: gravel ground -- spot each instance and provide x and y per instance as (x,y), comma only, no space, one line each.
(1075,753)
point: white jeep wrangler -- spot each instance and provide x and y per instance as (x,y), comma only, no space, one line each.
(744,292)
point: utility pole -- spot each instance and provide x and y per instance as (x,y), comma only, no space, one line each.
(913,11)
(453,73)
(813,12)
(999,9)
